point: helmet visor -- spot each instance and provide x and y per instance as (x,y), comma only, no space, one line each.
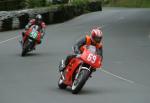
(97,39)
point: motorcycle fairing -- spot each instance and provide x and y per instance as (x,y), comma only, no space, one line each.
(70,69)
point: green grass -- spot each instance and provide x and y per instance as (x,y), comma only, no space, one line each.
(35,3)
(146,3)
(79,2)
(129,3)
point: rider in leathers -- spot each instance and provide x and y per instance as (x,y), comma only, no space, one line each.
(37,21)
(95,39)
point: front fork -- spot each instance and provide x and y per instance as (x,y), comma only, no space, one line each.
(62,75)
(81,68)
(61,67)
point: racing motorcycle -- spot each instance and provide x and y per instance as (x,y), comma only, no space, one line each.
(31,39)
(79,69)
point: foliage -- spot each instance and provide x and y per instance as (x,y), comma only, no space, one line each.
(11,4)
(35,3)
(79,2)
(20,4)
(82,4)
(127,3)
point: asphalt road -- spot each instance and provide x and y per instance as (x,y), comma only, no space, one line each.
(125,77)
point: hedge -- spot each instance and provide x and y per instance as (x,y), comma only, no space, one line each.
(51,15)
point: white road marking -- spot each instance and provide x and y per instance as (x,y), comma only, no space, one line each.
(129,81)
(1,42)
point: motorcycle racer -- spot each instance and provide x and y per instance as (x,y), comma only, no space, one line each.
(94,39)
(37,21)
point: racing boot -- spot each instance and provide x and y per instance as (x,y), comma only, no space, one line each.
(65,62)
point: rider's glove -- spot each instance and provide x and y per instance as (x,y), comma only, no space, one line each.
(42,33)
(76,50)
(26,27)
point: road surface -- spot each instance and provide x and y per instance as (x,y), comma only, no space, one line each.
(125,77)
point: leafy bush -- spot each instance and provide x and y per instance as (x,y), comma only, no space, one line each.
(35,3)
(88,5)
(127,3)
(82,4)
(79,2)
(11,4)
(20,4)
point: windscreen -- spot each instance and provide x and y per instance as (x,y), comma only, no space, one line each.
(92,49)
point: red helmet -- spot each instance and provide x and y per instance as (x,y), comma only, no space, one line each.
(96,35)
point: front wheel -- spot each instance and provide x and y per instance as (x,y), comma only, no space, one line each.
(25,48)
(61,84)
(80,80)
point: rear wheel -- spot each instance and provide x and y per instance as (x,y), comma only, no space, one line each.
(80,80)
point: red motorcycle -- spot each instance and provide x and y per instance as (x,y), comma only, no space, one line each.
(80,69)
(31,38)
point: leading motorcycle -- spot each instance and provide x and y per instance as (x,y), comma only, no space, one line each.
(80,69)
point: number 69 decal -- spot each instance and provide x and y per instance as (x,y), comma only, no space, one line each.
(91,58)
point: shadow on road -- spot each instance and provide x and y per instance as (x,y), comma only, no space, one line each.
(85,91)
(35,54)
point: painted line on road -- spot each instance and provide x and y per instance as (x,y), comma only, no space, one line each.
(129,81)
(1,42)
